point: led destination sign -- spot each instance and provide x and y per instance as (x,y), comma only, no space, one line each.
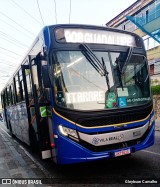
(94,36)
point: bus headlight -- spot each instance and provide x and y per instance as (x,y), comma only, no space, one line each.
(151,121)
(65,131)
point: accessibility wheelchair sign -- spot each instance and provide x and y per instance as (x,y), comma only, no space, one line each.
(122,102)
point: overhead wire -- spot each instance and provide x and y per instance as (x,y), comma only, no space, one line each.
(15,28)
(26,12)
(10,51)
(4,60)
(3,71)
(9,55)
(7,71)
(3,76)
(40,12)
(12,38)
(3,79)
(8,68)
(55,10)
(17,23)
(70,11)
(13,43)
(5,64)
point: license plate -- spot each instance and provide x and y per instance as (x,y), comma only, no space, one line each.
(122,152)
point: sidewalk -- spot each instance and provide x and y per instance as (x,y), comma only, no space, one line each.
(157,127)
(16,164)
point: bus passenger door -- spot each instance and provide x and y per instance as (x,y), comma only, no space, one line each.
(25,112)
(39,113)
(29,133)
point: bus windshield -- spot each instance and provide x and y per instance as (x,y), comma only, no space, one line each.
(79,85)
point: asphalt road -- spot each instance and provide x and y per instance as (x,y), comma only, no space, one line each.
(142,168)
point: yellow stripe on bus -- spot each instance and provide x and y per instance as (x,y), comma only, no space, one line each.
(119,124)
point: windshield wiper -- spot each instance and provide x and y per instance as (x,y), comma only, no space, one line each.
(129,54)
(119,72)
(121,68)
(106,74)
(99,66)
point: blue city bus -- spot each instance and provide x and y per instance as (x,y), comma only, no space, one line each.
(82,93)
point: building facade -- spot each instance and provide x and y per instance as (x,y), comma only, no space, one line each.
(146,13)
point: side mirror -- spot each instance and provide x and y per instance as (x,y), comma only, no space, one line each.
(41,60)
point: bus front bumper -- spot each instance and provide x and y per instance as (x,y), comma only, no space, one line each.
(69,152)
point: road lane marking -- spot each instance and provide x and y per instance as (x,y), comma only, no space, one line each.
(151,152)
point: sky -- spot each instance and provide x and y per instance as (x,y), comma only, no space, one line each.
(22,20)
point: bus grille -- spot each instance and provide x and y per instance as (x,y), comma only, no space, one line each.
(115,119)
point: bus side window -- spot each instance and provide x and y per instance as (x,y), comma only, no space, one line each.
(35,78)
(21,85)
(2,99)
(18,89)
(37,81)
(21,90)
(11,95)
(8,96)
(5,98)
(13,92)
(29,85)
